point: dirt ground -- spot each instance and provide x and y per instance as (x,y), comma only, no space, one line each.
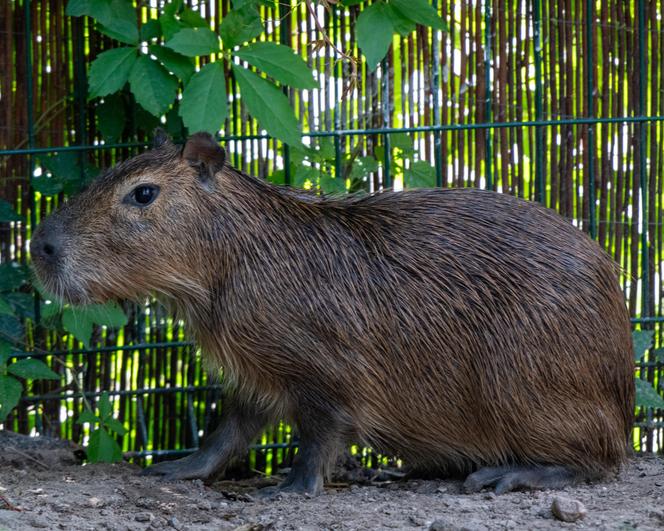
(42,486)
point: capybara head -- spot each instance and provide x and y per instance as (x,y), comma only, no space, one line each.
(135,230)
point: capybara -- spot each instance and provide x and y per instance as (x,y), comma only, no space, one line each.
(460,330)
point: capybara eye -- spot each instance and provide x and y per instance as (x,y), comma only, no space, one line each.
(143,195)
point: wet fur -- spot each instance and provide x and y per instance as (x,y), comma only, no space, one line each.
(453,328)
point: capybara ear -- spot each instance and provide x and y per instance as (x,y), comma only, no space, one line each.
(161,138)
(203,151)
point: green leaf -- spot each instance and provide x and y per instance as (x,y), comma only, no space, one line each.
(87,417)
(144,120)
(302,174)
(10,394)
(6,308)
(47,186)
(194,41)
(8,213)
(402,141)
(109,314)
(6,352)
(79,321)
(63,165)
(50,310)
(421,175)
(174,124)
(642,341)
(102,448)
(240,3)
(110,71)
(111,118)
(78,8)
(150,30)
(116,17)
(269,106)
(11,329)
(647,396)
(122,24)
(204,104)
(332,185)
(419,11)
(173,7)
(181,66)
(75,323)
(170,25)
(403,26)
(115,426)
(240,25)
(22,303)
(193,19)
(363,166)
(374,31)
(153,87)
(32,369)
(104,405)
(12,275)
(279,62)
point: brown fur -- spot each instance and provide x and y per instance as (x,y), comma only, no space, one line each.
(454,328)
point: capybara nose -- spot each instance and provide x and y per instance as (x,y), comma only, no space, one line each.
(46,246)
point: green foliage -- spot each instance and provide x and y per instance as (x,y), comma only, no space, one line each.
(280,63)
(111,117)
(203,106)
(420,12)
(178,64)
(421,175)
(26,368)
(64,172)
(81,320)
(110,71)
(156,78)
(374,33)
(102,447)
(646,394)
(8,213)
(241,24)
(194,41)
(379,21)
(268,105)
(116,18)
(642,341)
(152,85)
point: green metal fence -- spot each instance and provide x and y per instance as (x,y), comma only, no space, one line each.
(581,132)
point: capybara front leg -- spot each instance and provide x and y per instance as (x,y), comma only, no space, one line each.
(508,478)
(238,426)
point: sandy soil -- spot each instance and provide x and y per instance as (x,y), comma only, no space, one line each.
(42,486)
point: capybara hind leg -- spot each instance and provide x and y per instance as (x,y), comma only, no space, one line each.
(306,476)
(506,478)
(238,426)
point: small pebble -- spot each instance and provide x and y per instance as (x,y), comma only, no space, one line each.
(94,502)
(174,522)
(567,510)
(143,517)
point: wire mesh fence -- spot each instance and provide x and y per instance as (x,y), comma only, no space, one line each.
(558,101)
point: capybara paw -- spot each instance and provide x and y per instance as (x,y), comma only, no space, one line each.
(506,479)
(179,469)
(308,486)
